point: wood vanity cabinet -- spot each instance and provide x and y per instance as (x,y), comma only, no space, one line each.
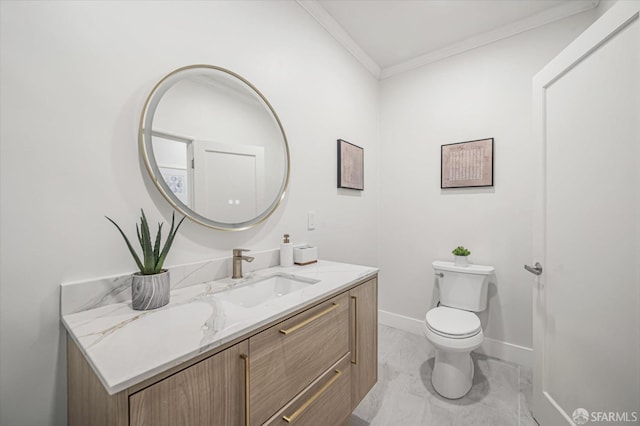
(326,401)
(287,357)
(364,339)
(311,368)
(210,392)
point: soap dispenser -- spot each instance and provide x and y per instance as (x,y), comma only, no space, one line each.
(286,252)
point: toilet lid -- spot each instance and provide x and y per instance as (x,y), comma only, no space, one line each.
(452,322)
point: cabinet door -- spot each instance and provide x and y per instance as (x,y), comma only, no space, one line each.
(327,401)
(287,357)
(364,339)
(211,392)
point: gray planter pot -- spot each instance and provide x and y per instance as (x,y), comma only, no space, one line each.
(149,291)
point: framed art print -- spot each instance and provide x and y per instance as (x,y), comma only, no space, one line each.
(350,166)
(467,164)
(176,180)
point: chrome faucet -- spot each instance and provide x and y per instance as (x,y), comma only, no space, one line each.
(237,262)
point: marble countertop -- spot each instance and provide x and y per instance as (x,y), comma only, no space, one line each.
(125,347)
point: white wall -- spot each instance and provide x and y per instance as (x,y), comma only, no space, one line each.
(74,77)
(483,93)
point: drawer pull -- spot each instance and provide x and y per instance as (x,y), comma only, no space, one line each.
(355,344)
(294,416)
(245,357)
(308,320)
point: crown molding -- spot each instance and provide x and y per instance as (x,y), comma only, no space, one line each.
(319,13)
(534,21)
(323,17)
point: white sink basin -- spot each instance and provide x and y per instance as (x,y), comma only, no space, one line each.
(264,289)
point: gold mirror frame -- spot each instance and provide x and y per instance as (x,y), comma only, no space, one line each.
(146,148)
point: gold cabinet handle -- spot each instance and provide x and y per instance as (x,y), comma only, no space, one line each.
(294,416)
(245,357)
(309,320)
(355,322)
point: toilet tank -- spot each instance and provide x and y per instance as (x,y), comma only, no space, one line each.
(463,287)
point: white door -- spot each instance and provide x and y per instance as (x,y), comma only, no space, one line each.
(586,335)
(228,181)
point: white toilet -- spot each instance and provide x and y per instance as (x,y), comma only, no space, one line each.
(453,328)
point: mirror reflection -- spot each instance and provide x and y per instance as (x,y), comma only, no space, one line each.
(215,147)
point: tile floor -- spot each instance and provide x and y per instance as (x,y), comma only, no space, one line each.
(404,395)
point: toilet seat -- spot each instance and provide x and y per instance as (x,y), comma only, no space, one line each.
(452,323)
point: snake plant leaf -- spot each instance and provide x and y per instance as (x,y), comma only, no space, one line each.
(156,246)
(147,250)
(139,236)
(169,242)
(152,257)
(133,252)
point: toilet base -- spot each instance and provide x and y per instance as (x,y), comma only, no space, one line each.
(452,375)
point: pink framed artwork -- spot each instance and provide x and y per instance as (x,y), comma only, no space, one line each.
(350,166)
(467,164)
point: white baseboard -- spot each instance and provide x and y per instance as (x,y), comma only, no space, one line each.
(491,347)
(400,322)
(506,351)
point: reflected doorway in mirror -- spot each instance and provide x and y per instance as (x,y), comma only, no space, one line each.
(229,180)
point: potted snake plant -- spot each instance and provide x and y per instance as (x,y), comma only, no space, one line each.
(150,286)
(460,254)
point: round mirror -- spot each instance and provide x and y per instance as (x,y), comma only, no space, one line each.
(215,147)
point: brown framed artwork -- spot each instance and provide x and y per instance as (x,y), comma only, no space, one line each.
(350,166)
(467,164)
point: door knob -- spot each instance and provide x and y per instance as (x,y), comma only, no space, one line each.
(535,269)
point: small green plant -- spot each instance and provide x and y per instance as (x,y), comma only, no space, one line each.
(460,251)
(152,257)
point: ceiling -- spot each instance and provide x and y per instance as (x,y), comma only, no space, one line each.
(392,36)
